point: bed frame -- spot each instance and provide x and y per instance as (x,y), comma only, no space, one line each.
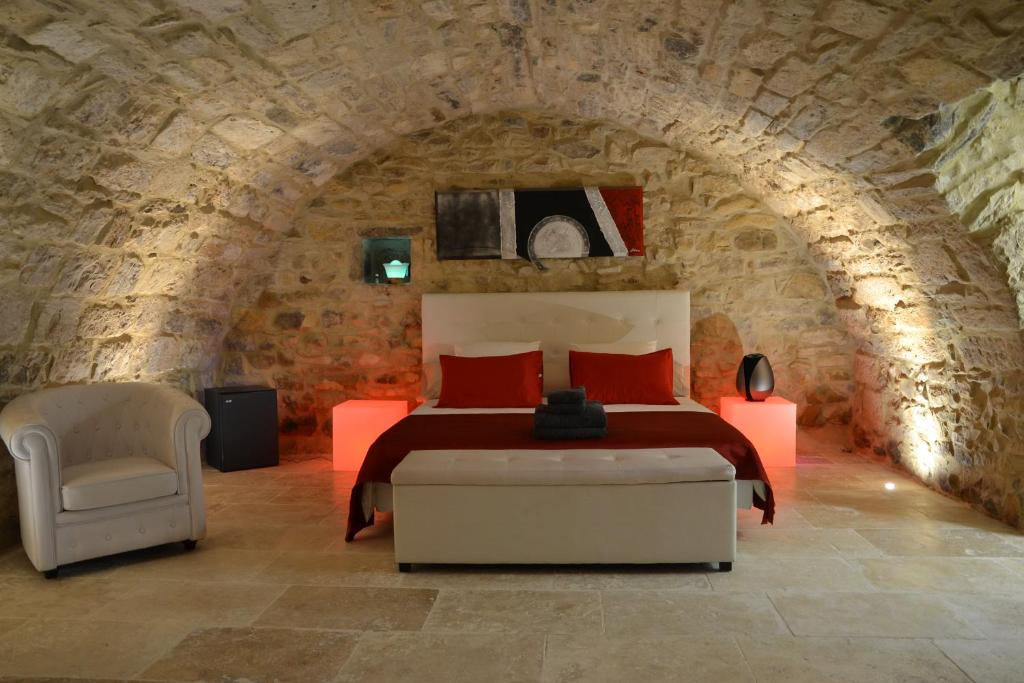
(485,522)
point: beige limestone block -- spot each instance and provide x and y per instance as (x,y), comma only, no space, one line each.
(876,660)
(444,658)
(887,615)
(285,655)
(363,609)
(246,133)
(629,614)
(103,649)
(658,660)
(515,611)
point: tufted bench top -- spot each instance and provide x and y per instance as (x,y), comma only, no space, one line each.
(566,467)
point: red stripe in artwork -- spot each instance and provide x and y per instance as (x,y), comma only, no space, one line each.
(626,206)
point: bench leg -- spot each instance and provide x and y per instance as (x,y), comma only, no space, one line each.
(52,573)
(725,566)
(405,567)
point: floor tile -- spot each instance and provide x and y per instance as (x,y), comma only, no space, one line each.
(786,573)
(480,611)
(255,654)
(102,649)
(943,542)
(687,577)
(954,574)
(881,615)
(635,614)
(70,597)
(197,603)
(879,516)
(996,616)
(769,542)
(652,660)
(9,624)
(479,577)
(374,609)
(202,564)
(856,660)
(269,513)
(445,658)
(336,569)
(990,661)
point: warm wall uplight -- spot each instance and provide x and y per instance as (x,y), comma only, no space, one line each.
(357,424)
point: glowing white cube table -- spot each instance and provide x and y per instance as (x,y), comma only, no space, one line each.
(357,424)
(770,425)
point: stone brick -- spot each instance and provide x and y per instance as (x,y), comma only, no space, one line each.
(793,77)
(70,41)
(177,136)
(25,88)
(858,18)
(246,133)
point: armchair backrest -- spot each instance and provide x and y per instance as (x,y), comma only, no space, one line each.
(100,421)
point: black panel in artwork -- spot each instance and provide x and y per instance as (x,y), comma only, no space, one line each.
(468,225)
(534,205)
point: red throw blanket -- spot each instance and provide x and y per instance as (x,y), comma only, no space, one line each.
(505,431)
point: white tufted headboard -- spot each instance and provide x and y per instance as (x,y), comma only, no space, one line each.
(557,319)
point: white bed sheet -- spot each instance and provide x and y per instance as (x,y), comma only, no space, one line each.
(378,496)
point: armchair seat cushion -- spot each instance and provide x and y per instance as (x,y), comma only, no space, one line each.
(116,481)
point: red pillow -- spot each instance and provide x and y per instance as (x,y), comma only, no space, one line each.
(624,378)
(515,381)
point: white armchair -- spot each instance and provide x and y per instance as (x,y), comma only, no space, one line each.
(105,468)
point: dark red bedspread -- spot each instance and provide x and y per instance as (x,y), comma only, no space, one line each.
(504,431)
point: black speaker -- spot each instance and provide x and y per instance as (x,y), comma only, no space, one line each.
(244,432)
(755,380)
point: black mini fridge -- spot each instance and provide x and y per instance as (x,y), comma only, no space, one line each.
(244,432)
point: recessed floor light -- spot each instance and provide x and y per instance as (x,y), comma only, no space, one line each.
(889,486)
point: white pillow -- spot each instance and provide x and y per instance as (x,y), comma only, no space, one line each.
(479,349)
(632,348)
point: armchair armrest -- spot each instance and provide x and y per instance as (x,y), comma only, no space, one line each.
(20,424)
(36,451)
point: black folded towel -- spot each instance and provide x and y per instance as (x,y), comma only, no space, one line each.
(573,433)
(575,395)
(593,415)
(561,408)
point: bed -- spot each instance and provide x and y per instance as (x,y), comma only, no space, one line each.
(557,319)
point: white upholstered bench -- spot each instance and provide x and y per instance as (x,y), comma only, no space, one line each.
(642,506)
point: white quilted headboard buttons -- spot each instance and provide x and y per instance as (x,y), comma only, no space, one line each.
(557,319)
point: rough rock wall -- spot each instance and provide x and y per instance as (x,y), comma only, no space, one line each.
(247,106)
(321,336)
(977,154)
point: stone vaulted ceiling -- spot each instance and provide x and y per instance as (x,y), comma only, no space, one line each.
(151,153)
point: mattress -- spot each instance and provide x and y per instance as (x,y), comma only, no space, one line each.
(378,496)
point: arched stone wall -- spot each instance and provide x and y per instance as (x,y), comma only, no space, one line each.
(151,153)
(321,335)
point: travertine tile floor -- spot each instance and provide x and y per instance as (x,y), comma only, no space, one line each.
(853,583)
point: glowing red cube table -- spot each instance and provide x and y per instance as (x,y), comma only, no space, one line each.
(357,424)
(770,425)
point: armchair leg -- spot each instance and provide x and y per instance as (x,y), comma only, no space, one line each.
(190,545)
(52,573)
